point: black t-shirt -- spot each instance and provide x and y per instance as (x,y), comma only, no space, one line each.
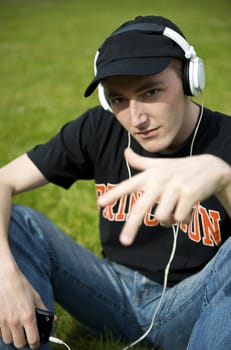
(92,147)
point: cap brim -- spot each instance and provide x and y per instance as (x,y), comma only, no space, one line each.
(141,66)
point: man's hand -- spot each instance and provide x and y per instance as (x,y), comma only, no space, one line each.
(173,186)
(18,300)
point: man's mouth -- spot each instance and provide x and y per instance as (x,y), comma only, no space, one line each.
(146,134)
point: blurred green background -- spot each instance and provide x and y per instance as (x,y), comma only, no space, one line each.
(46,61)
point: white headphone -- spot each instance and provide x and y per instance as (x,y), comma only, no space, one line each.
(193,77)
(101,93)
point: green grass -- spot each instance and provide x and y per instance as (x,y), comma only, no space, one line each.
(46,54)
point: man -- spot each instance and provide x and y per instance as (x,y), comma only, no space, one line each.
(145,72)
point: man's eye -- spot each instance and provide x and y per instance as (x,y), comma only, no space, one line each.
(151,92)
(116,100)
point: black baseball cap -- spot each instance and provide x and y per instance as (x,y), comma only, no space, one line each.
(138,48)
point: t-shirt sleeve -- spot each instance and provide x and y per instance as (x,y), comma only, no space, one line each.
(69,155)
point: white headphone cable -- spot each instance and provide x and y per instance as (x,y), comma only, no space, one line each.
(198,124)
(58,341)
(127,164)
(175,229)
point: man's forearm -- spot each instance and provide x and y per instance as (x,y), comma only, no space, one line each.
(5,208)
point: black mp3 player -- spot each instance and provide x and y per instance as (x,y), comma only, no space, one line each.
(45,324)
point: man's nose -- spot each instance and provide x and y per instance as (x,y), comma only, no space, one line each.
(137,114)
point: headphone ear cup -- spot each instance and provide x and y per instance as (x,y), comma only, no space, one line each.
(101,93)
(102,98)
(198,76)
(193,76)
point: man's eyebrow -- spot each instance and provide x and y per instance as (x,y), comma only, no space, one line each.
(150,84)
(111,93)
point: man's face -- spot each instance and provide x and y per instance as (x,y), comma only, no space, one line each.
(153,109)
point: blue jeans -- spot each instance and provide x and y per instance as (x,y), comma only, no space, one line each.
(103,295)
